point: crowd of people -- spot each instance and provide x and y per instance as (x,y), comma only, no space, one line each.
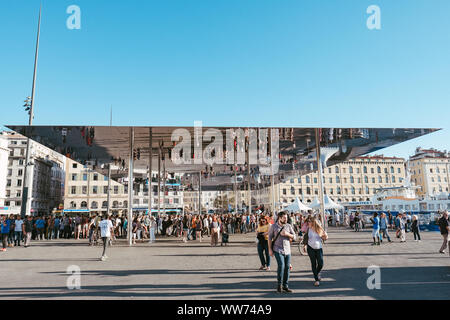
(274,233)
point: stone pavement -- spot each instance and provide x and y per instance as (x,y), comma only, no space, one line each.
(171,269)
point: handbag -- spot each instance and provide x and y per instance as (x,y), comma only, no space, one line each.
(275,239)
(305,238)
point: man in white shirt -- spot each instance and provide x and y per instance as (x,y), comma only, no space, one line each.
(106,228)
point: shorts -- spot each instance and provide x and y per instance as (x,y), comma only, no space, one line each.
(375,233)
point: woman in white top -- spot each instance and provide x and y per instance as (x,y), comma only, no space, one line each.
(316,235)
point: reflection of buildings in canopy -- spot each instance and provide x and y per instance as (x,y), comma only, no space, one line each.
(292,151)
(97,146)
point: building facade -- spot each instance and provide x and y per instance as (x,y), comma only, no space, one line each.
(4,153)
(350,181)
(46,174)
(429,169)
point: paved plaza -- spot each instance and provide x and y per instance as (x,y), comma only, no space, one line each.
(171,269)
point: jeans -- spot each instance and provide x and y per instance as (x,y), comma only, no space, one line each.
(4,240)
(283,270)
(56,232)
(384,233)
(18,238)
(444,244)
(152,235)
(28,239)
(416,233)
(264,248)
(316,257)
(11,237)
(105,245)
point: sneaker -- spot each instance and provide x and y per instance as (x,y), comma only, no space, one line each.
(287,290)
(279,289)
(103,258)
(268,269)
(317,283)
(443,252)
(262,268)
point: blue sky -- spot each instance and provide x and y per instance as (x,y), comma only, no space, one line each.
(231,63)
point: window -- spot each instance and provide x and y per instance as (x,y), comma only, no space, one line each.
(284,192)
(352,180)
(350,169)
(105,178)
(73,205)
(73,190)
(315,180)
(365,169)
(308,190)
(20,172)
(380,179)
(293,191)
(357,170)
(437,170)
(367,190)
(372,170)
(353,190)
(21,162)
(331,190)
(337,179)
(393,179)
(300,192)
(94,189)
(105,189)
(83,205)
(431,170)
(359,180)
(331,180)
(84,190)
(85,177)
(94,205)
(336,170)
(378,169)
(345,180)
(392,169)
(366,180)
(338,190)
(105,204)
(316,192)
(116,190)
(74,165)
(9,172)
(19,183)
(8,183)
(18,194)
(387,179)
(308,179)
(292,180)
(399,170)
(95,177)
(74,177)
(329,170)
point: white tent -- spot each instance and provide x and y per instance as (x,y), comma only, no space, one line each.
(328,204)
(297,206)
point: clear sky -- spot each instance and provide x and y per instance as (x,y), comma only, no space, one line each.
(298,63)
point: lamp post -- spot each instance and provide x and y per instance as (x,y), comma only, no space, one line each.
(29,104)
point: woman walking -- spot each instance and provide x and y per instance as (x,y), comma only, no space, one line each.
(214,232)
(198,228)
(316,234)
(263,245)
(415,228)
(185,226)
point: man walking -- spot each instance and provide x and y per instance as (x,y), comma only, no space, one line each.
(444,227)
(280,236)
(384,225)
(18,231)
(105,229)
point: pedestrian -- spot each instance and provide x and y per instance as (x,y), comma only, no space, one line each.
(280,235)
(357,219)
(263,245)
(415,228)
(214,231)
(315,236)
(402,226)
(384,225)
(18,230)
(152,228)
(5,225)
(11,231)
(198,228)
(106,228)
(444,228)
(375,229)
(28,230)
(56,226)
